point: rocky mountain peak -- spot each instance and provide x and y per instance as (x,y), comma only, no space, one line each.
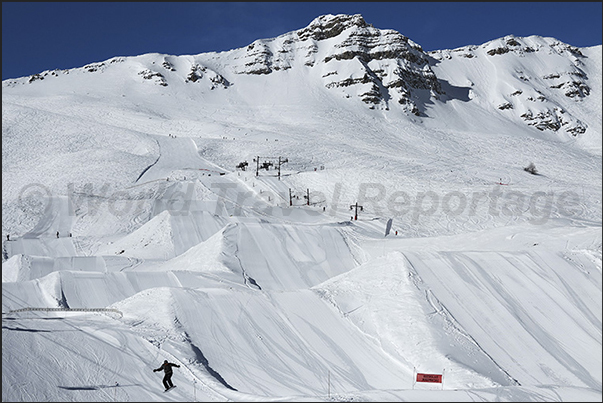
(377,66)
(329,26)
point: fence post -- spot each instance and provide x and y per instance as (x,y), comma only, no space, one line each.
(414,378)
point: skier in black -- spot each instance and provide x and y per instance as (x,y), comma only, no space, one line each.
(167,369)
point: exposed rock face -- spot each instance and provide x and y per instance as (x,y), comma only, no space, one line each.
(378,66)
(260,59)
(199,72)
(153,75)
(329,26)
(536,99)
(392,66)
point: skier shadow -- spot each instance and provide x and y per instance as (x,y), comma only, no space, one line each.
(96,387)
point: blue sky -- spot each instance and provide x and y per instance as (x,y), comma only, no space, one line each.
(38,36)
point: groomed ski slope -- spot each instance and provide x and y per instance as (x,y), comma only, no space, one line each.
(365,329)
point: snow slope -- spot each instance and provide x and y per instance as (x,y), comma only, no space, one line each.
(260,283)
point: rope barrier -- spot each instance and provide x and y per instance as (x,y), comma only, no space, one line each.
(68,309)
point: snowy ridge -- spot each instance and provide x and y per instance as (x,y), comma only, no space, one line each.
(211,199)
(535,92)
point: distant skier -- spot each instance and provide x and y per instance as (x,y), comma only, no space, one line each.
(57,234)
(167,369)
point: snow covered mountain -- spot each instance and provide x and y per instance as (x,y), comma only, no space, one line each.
(384,68)
(207,204)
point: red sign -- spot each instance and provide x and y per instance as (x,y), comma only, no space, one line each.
(434,378)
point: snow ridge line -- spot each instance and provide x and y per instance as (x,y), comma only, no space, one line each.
(327,296)
(205,362)
(149,167)
(440,309)
(246,277)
